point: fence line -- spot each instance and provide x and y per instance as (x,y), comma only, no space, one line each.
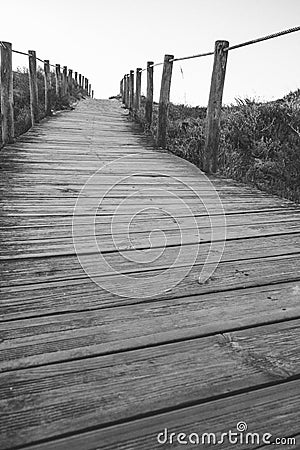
(212,130)
(65,83)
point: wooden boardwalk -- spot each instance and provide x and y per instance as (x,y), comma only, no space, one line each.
(86,365)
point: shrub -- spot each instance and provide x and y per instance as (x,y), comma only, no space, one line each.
(259,142)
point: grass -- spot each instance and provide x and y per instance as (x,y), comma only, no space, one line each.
(259,144)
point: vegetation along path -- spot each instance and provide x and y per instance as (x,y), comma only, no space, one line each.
(140,298)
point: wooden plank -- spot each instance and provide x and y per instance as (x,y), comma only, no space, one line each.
(243,243)
(39,223)
(197,208)
(142,227)
(80,294)
(61,337)
(110,388)
(273,410)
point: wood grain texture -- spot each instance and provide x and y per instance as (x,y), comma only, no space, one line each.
(6,91)
(61,337)
(82,293)
(138,81)
(33,87)
(273,410)
(164,98)
(58,81)
(65,397)
(149,98)
(47,80)
(214,108)
(131,90)
(82,366)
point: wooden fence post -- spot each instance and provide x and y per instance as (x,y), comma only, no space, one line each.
(92,94)
(70,81)
(86,85)
(149,99)
(138,83)
(47,87)
(34,108)
(65,82)
(164,101)
(124,89)
(121,88)
(76,78)
(90,89)
(131,90)
(127,91)
(79,81)
(6,90)
(82,80)
(58,81)
(214,108)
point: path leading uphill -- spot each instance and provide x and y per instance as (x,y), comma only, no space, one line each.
(137,295)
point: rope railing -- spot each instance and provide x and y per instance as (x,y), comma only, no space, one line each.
(131,98)
(264,38)
(243,44)
(20,53)
(65,86)
(29,55)
(200,55)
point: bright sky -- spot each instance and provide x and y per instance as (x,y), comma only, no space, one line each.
(104,39)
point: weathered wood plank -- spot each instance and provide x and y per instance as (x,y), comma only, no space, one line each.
(114,236)
(24,263)
(79,294)
(109,388)
(197,231)
(61,337)
(273,410)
